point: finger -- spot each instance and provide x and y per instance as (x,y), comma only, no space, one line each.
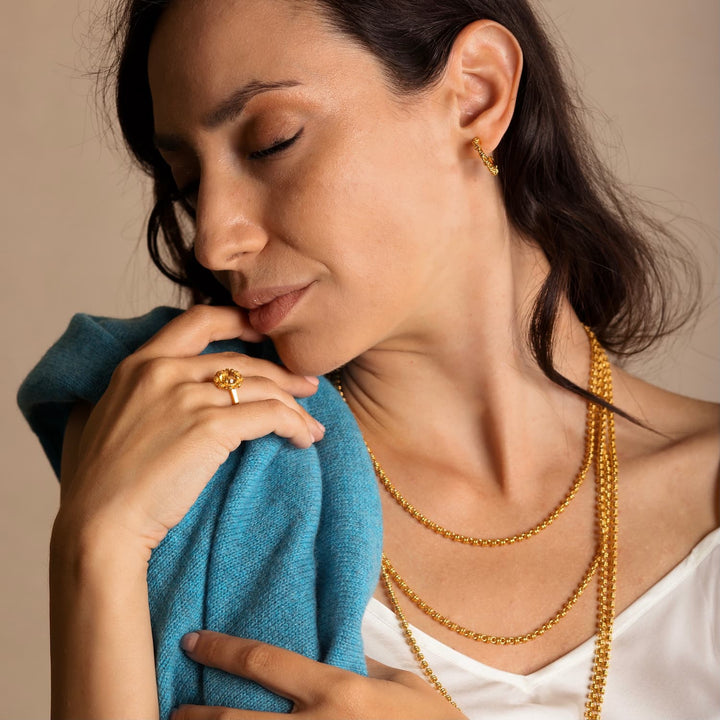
(205,712)
(204,368)
(165,372)
(281,671)
(190,333)
(252,390)
(250,421)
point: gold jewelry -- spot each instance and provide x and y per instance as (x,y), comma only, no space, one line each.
(414,647)
(230,380)
(485,637)
(590,431)
(607,491)
(489,160)
(501,541)
(606,482)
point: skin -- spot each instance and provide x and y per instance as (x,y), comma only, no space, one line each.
(421,287)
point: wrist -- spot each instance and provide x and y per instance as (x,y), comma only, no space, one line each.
(101,637)
(96,546)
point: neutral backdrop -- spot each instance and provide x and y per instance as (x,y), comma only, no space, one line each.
(73,213)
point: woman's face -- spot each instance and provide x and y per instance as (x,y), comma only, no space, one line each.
(326,204)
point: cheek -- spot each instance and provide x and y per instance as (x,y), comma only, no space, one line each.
(365,209)
(354,211)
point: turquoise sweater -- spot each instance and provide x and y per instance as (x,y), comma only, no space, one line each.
(283,545)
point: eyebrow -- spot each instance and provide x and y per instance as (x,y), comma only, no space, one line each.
(225,111)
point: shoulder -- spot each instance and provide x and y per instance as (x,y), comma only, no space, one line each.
(676,419)
(678,458)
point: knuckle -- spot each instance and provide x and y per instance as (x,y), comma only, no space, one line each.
(199,313)
(290,419)
(257,658)
(126,365)
(287,399)
(155,372)
(351,688)
(274,405)
(140,371)
(126,369)
(212,422)
(269,387)
(154,366)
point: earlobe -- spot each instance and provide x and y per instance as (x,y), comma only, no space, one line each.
(484,71)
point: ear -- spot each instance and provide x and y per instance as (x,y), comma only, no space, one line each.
(483,74)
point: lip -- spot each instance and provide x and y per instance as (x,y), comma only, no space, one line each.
(268,307)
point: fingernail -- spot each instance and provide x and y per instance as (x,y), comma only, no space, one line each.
(312,379)
(320,425)
(189,641)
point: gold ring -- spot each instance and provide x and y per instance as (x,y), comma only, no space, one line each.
(230,380)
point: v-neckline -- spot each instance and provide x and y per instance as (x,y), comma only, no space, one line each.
(582,652)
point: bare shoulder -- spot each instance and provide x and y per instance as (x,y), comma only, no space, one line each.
(676,417)
(675,467)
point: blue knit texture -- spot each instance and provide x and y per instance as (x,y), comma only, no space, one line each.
(283,545)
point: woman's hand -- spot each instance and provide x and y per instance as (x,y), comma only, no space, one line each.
(130,472)
(316,690)
(162,428)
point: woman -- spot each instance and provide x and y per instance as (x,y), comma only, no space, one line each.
(402,193)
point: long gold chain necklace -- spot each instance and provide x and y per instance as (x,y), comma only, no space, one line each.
(485,637)
(410,509)
(414,647)
(603,449)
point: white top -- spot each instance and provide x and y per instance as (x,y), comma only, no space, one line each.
(664,663)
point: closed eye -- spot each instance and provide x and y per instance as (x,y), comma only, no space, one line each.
(276,148)
(188,192)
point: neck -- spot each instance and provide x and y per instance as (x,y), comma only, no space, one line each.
(464,384)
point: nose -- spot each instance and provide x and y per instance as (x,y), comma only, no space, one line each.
(227,220)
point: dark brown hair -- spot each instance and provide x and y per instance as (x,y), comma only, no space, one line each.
(606,254)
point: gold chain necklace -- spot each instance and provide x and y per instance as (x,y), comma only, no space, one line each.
(485,637)
(414,647)
(408,507)
(606,480)
(411,510)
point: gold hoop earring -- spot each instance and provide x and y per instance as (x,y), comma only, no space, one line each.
(488,160)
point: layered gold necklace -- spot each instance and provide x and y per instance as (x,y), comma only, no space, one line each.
(600,448)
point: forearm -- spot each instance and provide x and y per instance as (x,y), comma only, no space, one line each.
(101,643)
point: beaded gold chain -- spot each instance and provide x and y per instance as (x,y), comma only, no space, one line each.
(607,514)
(411,510)
(485,637)
(603,450)
(414,647)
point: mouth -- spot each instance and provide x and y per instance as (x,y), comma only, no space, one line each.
(268,307)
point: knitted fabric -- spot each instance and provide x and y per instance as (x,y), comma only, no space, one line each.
(283,545)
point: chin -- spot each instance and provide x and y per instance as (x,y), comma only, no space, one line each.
(306,354)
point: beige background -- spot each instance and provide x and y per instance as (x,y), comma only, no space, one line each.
(72,216)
